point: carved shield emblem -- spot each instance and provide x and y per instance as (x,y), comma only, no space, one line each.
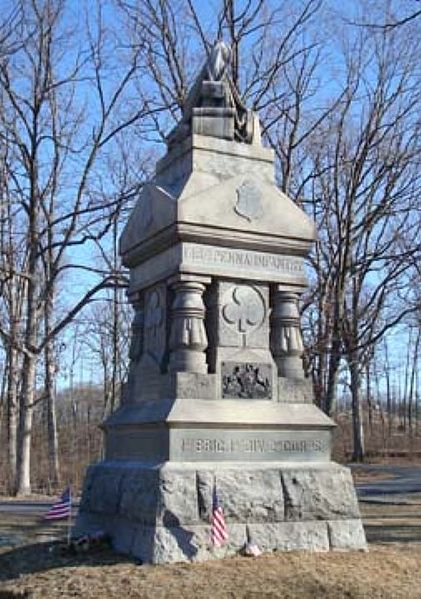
(249,203)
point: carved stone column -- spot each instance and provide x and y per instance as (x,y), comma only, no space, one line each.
(188,340)
(136,347)
(136,343)
(286,342)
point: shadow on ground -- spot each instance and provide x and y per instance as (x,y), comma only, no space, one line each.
(40,557)
(29,544)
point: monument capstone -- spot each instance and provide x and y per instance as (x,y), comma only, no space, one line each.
(216,394)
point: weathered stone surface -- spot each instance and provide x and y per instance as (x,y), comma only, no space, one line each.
(144,495)
(126,534)
(201,259)
(319,493)
(164,513)
(191,385)
(143,544)
(139,496)
(205,482)
(181,544)
(295,390)
(290,536)
(105,491)
(346,534)
(149,444)
(242,315)
(253,415)
(254,495)
(178,498)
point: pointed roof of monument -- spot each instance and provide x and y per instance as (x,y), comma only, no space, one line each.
(216,183)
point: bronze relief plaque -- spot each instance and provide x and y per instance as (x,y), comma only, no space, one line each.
(246,380)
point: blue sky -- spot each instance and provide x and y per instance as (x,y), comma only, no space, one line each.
(328,80)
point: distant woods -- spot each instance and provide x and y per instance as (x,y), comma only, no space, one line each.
(85,102)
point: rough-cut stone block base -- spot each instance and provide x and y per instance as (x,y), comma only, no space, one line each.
(290,536)
(161,514)
(346,534)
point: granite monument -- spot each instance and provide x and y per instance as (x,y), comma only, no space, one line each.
(216,394)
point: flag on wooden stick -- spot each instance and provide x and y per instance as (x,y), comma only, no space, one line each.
(219,532)
(62,508)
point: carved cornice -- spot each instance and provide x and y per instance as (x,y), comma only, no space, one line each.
(222,237)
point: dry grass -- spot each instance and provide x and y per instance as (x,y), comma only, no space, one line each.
(383,572)
(392,568)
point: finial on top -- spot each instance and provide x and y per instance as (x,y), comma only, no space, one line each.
(213,106)
(218,60)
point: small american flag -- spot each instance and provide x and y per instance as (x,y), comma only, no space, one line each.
(61,508)
(219,533)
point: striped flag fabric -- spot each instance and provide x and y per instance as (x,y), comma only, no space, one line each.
(62,508)
(219,532)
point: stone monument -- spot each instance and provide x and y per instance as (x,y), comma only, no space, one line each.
(216,394)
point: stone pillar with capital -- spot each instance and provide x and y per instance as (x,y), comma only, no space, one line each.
(286,341)
(188,340)
(136,343)
(136,347)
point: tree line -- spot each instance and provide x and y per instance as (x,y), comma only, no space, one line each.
(86,99)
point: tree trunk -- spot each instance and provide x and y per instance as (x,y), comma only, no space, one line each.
(412,384)
(357,423)
(388,390)
(53,457)
(405,393)
(30,360)
(50,376)
(12,417)
(23,484)
(332,376)
(115,367)
(369,398)
(417,407)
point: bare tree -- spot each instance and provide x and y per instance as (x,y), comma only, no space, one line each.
(57,149)
(366,179)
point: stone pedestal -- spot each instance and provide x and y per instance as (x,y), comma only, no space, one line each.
(216,394)
(161,514)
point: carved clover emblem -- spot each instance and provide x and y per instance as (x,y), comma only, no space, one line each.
(245,309)
(249,204)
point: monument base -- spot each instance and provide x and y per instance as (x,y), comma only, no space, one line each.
(161,513)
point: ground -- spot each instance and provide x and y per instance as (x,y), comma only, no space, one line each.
(391,568)
(383,572)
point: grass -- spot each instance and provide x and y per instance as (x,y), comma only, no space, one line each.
(384,572)
(392,567)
